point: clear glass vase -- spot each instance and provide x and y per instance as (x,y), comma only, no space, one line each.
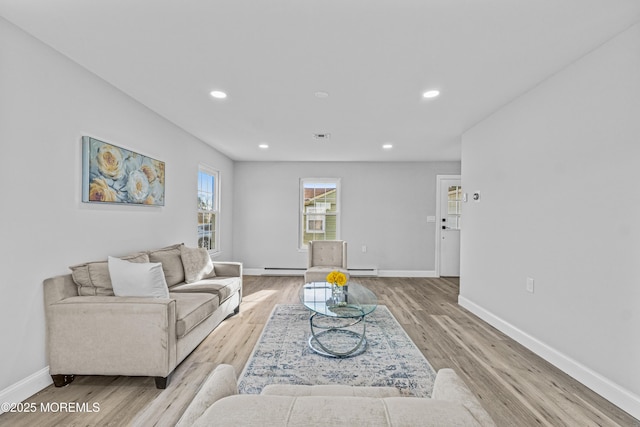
(337,293)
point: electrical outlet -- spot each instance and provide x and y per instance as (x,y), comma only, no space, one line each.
(364,248)
(529,284)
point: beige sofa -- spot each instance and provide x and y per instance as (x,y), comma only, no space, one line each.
(90,331)
(451,404)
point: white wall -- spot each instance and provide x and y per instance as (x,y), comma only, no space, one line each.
(46,104)
(559,174)
(384,206)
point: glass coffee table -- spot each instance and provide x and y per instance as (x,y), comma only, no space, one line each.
(338,324)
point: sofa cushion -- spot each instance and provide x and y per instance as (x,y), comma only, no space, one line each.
(135,279)
(171,263)
(413,411)
(329,390)
(197,263)
(93,278)
(192,309)
(224,287)
(245,409)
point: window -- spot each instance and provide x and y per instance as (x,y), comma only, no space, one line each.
(454,211)
(208,208)
(319,210)
(316,219)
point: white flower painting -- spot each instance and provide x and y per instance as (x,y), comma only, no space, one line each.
(115,175)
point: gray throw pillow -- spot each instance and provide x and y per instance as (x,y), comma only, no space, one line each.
(169,257)
(197,263)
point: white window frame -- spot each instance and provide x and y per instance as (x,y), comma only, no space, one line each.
(215,208)
(303,226)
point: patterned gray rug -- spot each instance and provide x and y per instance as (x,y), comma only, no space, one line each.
(282,356)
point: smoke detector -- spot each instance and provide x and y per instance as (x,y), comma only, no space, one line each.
(321,136)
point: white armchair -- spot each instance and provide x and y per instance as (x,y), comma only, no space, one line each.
(326,256)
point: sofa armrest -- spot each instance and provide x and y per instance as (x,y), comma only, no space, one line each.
(227,268)
(220,383)
(109,335)
(449,386)
(58,288)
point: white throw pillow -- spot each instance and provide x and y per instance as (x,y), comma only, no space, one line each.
(131,279)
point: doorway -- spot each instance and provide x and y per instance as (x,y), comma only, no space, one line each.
(449,210)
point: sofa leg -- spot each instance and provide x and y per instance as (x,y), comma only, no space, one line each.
(62,380)
(162,382)
(236,310)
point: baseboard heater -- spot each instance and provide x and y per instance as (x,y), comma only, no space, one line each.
(372,272)
(290,271)
(284,271)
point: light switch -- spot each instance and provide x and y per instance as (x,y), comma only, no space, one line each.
(529,284)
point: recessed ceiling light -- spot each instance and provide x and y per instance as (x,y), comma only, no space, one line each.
(264,146)
(218,94)
(431,93)
(321,94)
(387,146)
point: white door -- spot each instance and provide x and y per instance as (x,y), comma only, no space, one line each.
(449,225)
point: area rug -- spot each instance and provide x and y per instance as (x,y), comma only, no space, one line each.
(282,356)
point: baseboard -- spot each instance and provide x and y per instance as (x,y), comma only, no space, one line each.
(25,388)
(272,271)
(619,396)
(252,271)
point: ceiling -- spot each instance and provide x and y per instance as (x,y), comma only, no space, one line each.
(374,58)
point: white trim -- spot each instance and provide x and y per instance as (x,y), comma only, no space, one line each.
(606,388)
(261,271)
(439,179)
(25,388)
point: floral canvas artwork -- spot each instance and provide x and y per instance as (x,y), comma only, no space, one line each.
(115,175)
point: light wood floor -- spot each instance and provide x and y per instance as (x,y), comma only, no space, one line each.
(514,385)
